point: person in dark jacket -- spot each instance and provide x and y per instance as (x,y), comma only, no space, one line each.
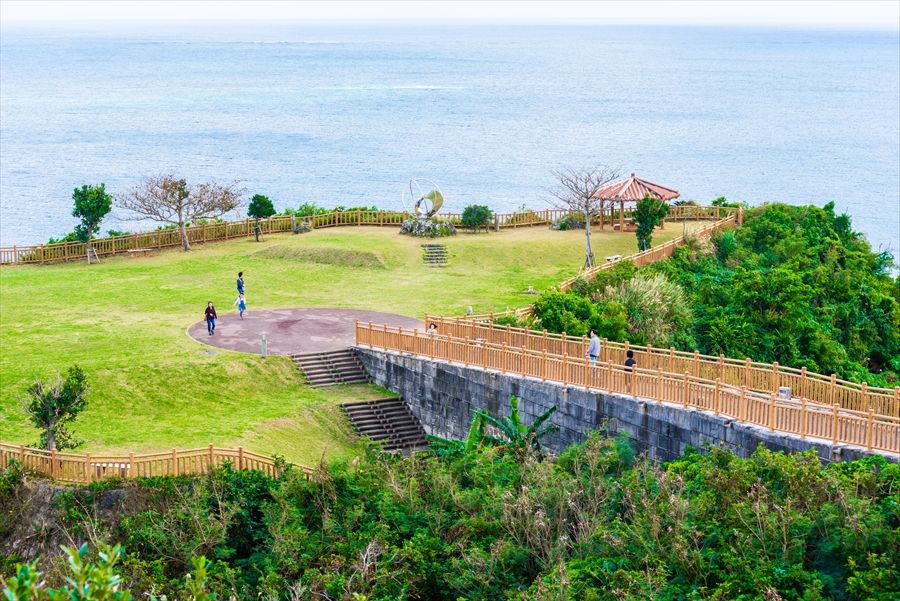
(240,282)
(210,318)
(630,362)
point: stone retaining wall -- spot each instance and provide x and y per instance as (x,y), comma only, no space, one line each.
(445,396)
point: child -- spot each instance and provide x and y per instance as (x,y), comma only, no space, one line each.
(210,318)
(241,304)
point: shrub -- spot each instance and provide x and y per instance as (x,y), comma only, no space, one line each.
(476,217)
(658,310)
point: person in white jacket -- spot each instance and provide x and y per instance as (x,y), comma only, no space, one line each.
(241,303)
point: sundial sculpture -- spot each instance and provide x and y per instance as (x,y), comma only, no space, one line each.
(423,198)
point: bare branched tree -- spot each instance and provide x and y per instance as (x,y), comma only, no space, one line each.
(576,192)
(165,199)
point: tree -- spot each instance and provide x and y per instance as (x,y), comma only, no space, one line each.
(53,405)
(476,217)
(260,208)
(577,192)
(165,199)
(647,216)
(92,204)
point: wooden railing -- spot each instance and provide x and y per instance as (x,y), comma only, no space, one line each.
(87,468)
(226,230)
(803,417)
(764,378)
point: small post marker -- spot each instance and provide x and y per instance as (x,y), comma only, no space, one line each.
(264,350)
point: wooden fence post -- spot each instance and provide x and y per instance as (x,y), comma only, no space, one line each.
(721,366)
(174,462)
(604,351)
(87,468)
(131,473)
(776,377)
(466,357)
(772,412)
(565,369)
(831,388)
(896,401)
(834,423)
(742,409)
(212,456)
(803,416)
(684,395)
(716,399)
(659,385)
(671,359)
(870,429)
(865,394)
(240,458)
(54,467)
(504,360)
(544,365)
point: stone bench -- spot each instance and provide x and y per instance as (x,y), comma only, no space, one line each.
(134,252)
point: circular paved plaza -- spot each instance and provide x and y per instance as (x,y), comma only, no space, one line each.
(291,331)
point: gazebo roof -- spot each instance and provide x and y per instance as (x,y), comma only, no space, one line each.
(633,189)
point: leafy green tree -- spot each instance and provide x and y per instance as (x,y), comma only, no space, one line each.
(92,204)
(476,217)
(52,406)
(647,216)
(260,208)
(88,581)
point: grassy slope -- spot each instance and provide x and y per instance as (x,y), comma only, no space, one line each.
(124,322)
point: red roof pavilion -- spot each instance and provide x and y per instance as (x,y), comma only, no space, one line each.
(630,189)
(633,189)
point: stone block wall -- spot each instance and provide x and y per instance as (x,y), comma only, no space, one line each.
(444,397)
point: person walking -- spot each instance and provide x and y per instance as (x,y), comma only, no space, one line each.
(240,282)
(210,318)
(630,364)
(593,350)
(432,330)
(241,304)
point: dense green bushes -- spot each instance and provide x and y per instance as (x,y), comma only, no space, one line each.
(794,285)
(596,523)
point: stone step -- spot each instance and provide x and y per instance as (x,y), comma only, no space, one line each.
(388,421)
(331,368)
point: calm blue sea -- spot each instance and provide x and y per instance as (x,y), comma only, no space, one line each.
(347,114)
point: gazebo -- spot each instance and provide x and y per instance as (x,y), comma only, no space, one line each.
(630,189)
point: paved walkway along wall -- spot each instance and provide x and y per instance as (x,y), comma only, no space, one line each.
(445,396)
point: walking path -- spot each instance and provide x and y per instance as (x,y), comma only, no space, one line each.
(293,331)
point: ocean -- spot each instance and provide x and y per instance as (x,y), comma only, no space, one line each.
(347,114)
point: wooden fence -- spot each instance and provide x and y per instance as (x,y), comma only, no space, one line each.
(226,230)
(87,468)
(803,417)
(759,377)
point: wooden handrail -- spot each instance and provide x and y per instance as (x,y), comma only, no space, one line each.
(223,230)
(803,417)
(82,469)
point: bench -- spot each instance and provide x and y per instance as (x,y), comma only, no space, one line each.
(613,258)
(139,251)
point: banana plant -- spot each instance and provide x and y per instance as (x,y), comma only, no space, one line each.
(513,434)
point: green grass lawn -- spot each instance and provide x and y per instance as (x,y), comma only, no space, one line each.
(125,320)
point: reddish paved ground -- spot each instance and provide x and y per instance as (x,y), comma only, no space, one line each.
(290,331)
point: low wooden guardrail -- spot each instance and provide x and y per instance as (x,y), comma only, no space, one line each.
(87,468)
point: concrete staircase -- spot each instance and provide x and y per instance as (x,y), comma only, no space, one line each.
(333,367)
(389,421)
(435,255)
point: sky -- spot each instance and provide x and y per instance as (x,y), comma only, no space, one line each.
(856,15)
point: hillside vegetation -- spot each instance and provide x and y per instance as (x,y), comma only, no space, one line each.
(594,524)
(794,285)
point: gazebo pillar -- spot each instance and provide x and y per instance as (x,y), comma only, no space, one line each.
(621,215)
